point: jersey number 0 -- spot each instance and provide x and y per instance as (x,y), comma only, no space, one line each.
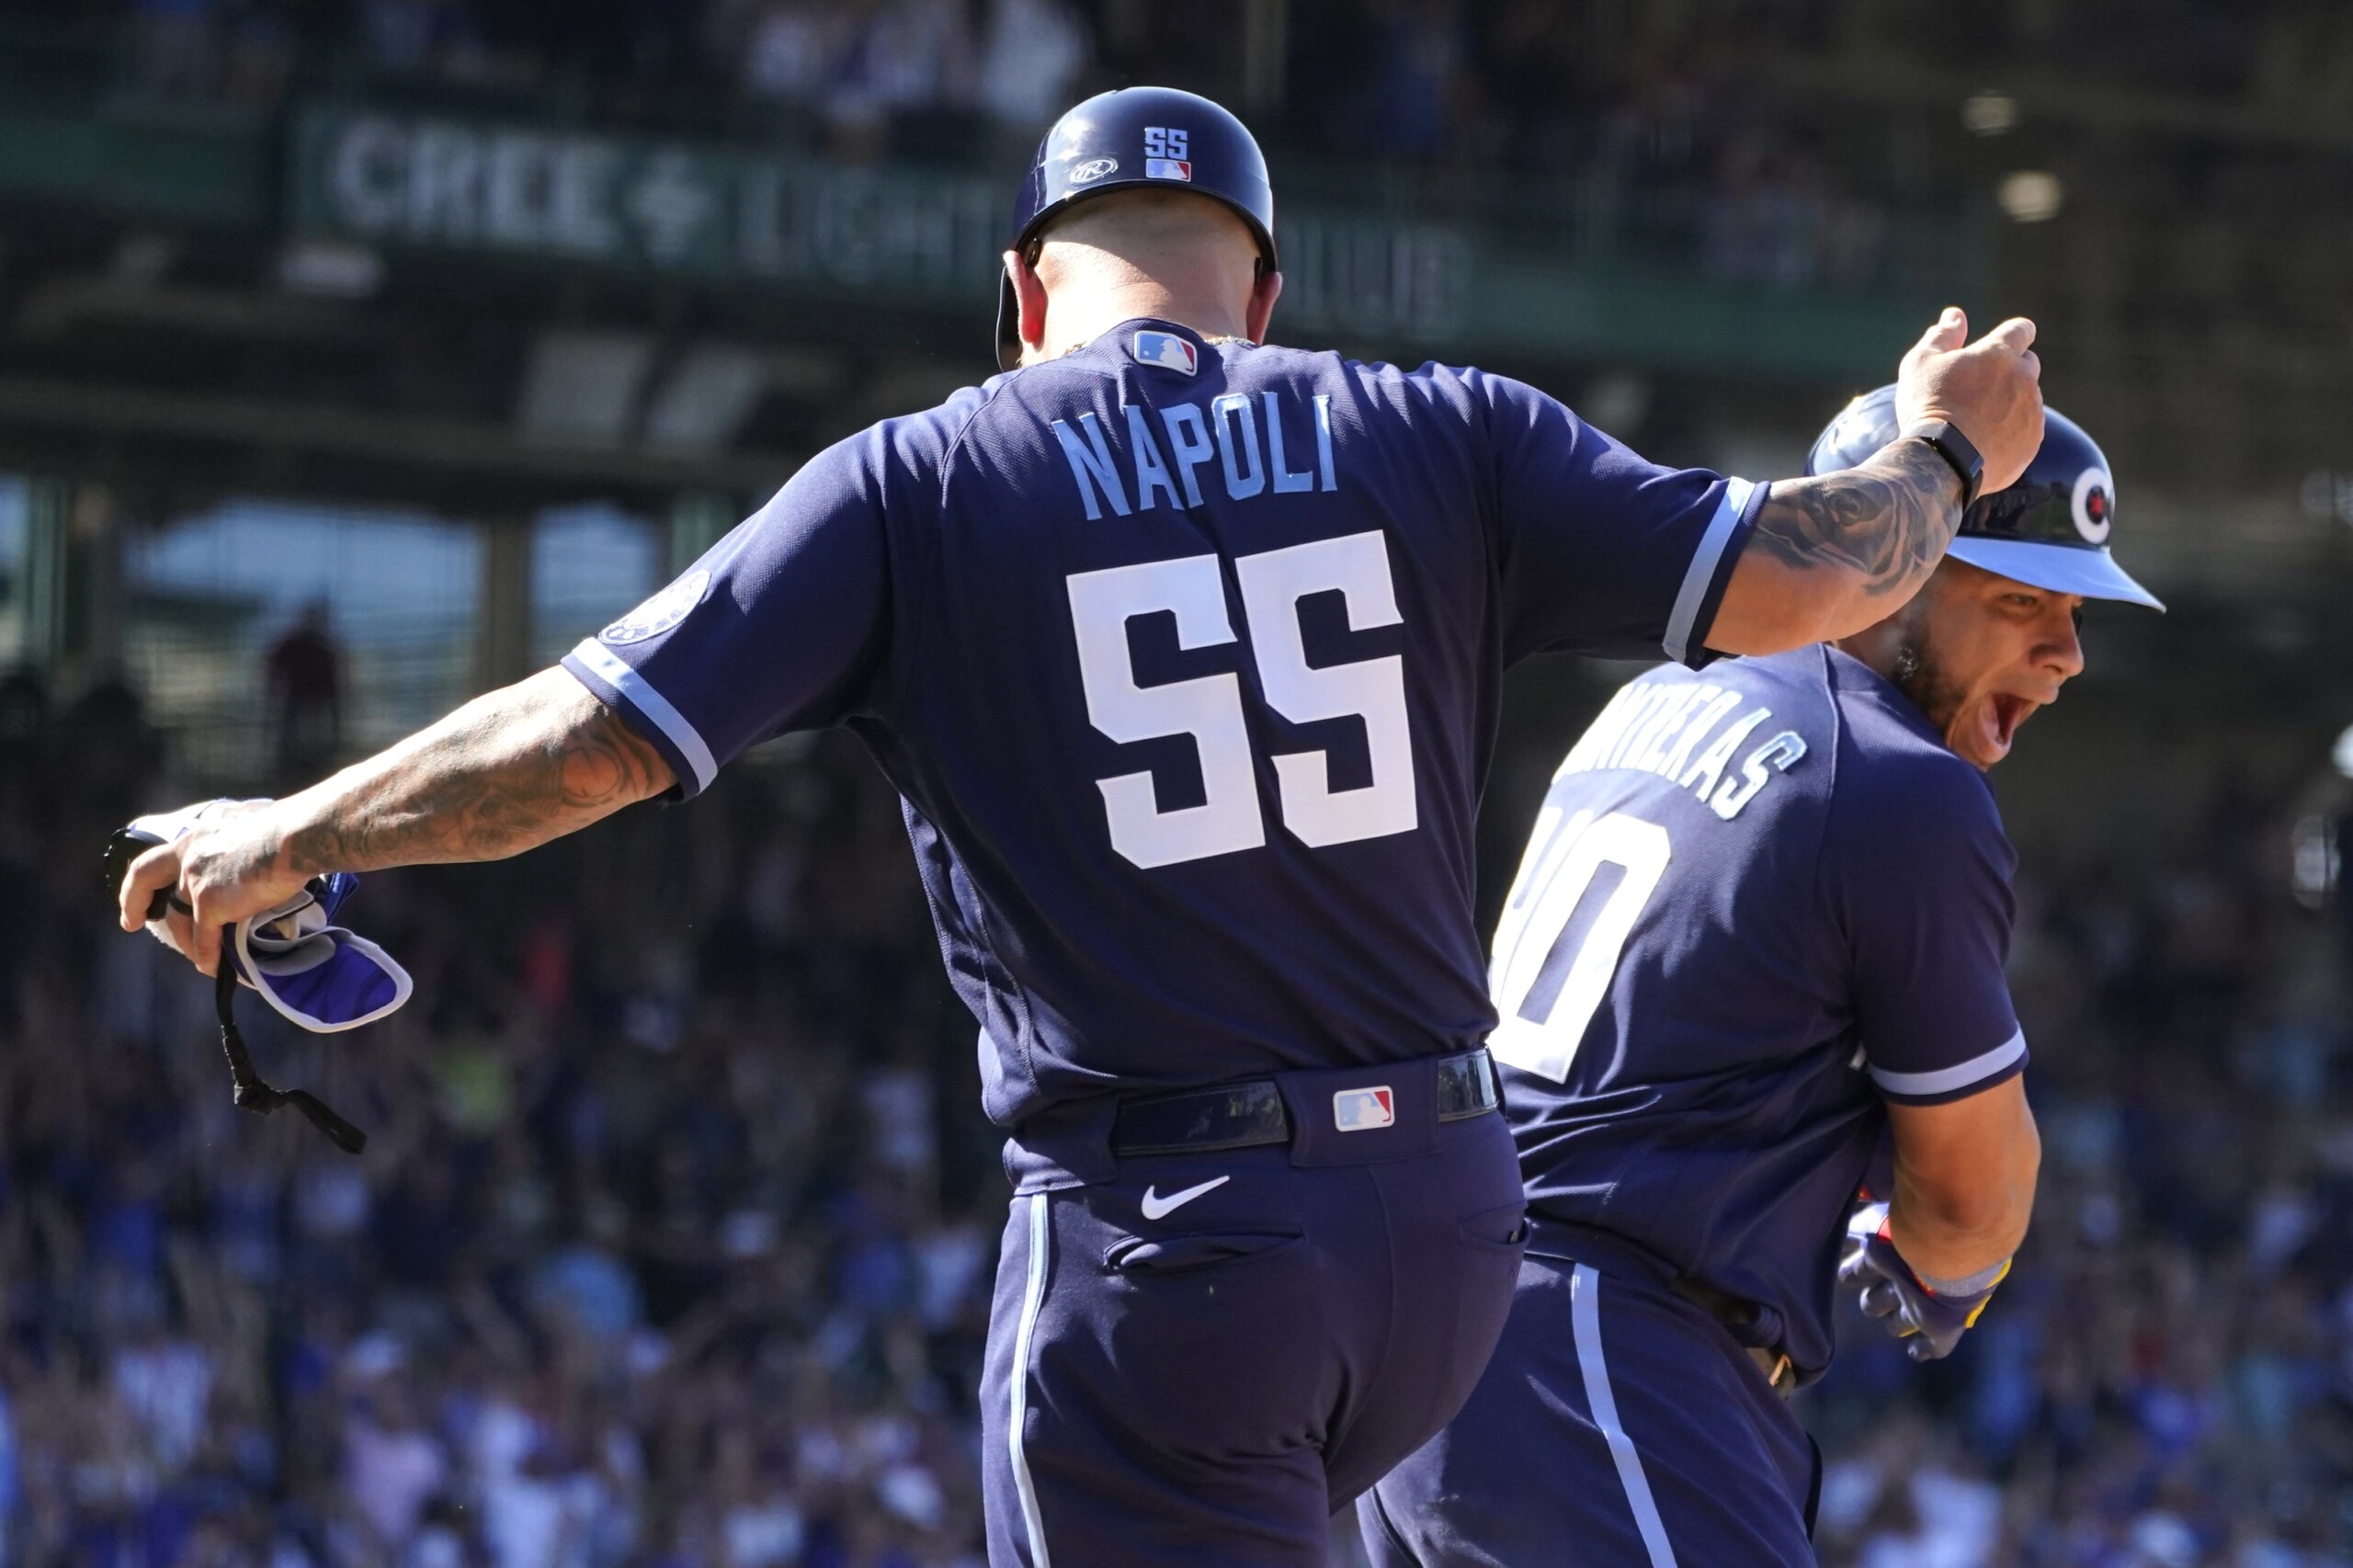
(1558,942)
(1209,708)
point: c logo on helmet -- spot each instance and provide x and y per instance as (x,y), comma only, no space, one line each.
(2094,505)
(1092,170)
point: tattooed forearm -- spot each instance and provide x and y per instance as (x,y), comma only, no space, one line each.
(505,773)
(1886,522)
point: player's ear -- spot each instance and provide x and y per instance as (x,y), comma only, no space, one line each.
(1263,295)
(1029,304)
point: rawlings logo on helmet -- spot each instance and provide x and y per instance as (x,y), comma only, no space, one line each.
(2094,505)
(1092,170)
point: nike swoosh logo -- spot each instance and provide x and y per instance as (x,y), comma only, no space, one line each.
(1156,1207)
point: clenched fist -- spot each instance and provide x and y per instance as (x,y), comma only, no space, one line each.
(1990,390)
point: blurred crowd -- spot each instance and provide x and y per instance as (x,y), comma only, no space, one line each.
(1659,133)
(1700,133)
(674,1242)
(1531,82)
(673,1247)
(2166,1380)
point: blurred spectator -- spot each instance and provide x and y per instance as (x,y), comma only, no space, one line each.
(1765,224)
(392,1466)
(408,36)
(24,708)
(789,50)
(178,46)
(259,57)
(1031,53)
(1420,59)
(304,675)
(906,69)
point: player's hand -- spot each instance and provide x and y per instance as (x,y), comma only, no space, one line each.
(1931,1323)
(1991,390)
(223,868)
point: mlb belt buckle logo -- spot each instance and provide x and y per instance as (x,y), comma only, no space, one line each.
(1166,351)
(1360,1110)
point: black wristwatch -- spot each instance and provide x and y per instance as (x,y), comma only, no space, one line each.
(1946,439)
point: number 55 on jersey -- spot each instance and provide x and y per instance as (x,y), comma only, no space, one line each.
(1183,655)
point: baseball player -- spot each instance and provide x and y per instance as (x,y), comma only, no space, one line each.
(1761,926)
(1183,652)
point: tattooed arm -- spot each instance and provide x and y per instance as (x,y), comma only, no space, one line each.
(507,772)
(1837,552)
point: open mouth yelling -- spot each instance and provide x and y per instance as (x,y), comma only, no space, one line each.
(2003,714)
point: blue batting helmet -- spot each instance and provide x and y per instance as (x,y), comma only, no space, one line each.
(1130,137)
(2048,530)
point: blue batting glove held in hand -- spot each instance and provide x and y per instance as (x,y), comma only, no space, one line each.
(1931,1320)
(318,974)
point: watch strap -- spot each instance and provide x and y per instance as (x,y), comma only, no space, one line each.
(1945,438)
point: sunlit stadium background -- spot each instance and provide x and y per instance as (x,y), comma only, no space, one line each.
(359,354)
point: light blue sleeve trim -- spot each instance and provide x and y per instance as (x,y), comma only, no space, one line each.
(1945,1080)
(603,661)
(1704,561)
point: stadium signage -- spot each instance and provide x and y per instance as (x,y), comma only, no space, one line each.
(432,182)
(711,212)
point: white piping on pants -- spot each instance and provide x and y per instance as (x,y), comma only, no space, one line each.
(1041,1238)
(1585,1312)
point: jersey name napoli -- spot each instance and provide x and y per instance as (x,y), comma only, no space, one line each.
(1758,902)
(1183,656)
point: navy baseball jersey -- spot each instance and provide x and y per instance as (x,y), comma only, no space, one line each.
(1184,657)
(1758,902)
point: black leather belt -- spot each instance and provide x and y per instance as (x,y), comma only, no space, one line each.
(1738,1314)
(1242,1115)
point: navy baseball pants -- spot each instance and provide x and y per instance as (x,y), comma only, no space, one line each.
(1616,1425)
(1198,1359)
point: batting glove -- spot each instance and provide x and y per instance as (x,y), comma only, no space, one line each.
(1932,1320)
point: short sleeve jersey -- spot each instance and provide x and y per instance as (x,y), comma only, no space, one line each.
(1759,902)
(1183,656)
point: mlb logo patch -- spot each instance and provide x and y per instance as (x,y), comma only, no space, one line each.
(1358,1110)
(1168,168)
(1168,351)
